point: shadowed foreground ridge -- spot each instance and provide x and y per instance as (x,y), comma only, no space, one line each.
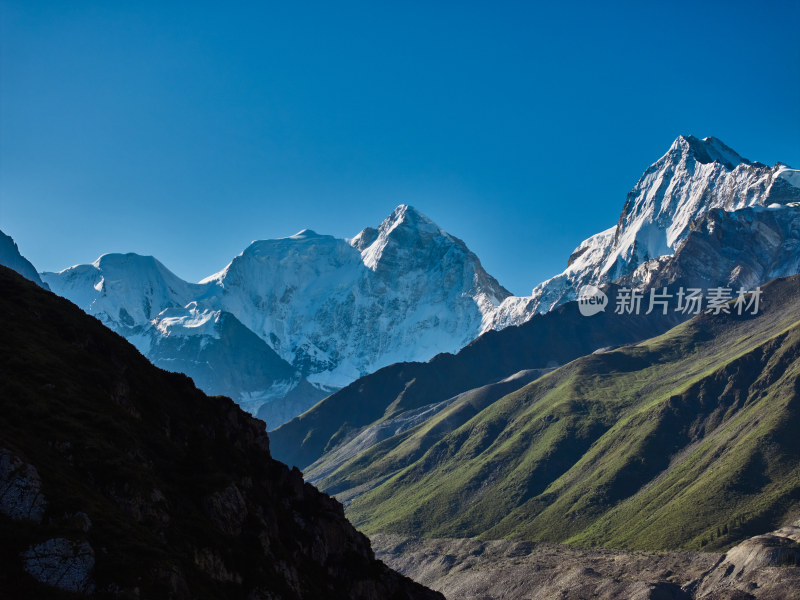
(119,480)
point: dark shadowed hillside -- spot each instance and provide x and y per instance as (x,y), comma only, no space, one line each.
(119,480)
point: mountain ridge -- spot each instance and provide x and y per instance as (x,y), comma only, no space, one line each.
(337,309)
(11,257)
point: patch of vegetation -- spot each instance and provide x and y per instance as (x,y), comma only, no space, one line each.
(680,442)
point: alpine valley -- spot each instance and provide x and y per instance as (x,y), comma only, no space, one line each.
(496,446)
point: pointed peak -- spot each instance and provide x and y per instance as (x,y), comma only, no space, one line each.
(409,214)
(708,150)
(405,227)
(408,219)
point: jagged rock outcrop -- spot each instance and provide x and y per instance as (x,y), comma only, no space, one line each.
(738,249)
(764,567)
(20,489)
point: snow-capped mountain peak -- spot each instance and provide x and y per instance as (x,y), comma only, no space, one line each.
(707,150)
(329,309)
(406,229)
(694,177)
(337,309)
(123,290)
(304,234)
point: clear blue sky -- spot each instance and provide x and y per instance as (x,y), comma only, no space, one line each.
(187,129)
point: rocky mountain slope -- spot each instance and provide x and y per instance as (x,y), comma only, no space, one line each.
(120,480)
(739,249)
(326,310)
(684,441)
(10,257)
(766,567)
(694,177)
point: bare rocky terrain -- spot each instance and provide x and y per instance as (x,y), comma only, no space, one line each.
(765,567)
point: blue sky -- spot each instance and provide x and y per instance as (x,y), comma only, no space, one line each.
(187,129)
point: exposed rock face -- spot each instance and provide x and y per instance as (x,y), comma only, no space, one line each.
(743,248)
(20,489)
(763,567)
(62,564)
(126,481)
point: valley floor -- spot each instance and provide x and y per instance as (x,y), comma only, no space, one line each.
(760,568)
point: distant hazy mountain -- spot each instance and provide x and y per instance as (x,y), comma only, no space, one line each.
(694,177)
(10,257)
(290,320)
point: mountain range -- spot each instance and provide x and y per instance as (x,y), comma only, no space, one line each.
(739,248)
(290,321)
(641,430)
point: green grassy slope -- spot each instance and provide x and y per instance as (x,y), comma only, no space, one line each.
(554,338)
(684,441)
